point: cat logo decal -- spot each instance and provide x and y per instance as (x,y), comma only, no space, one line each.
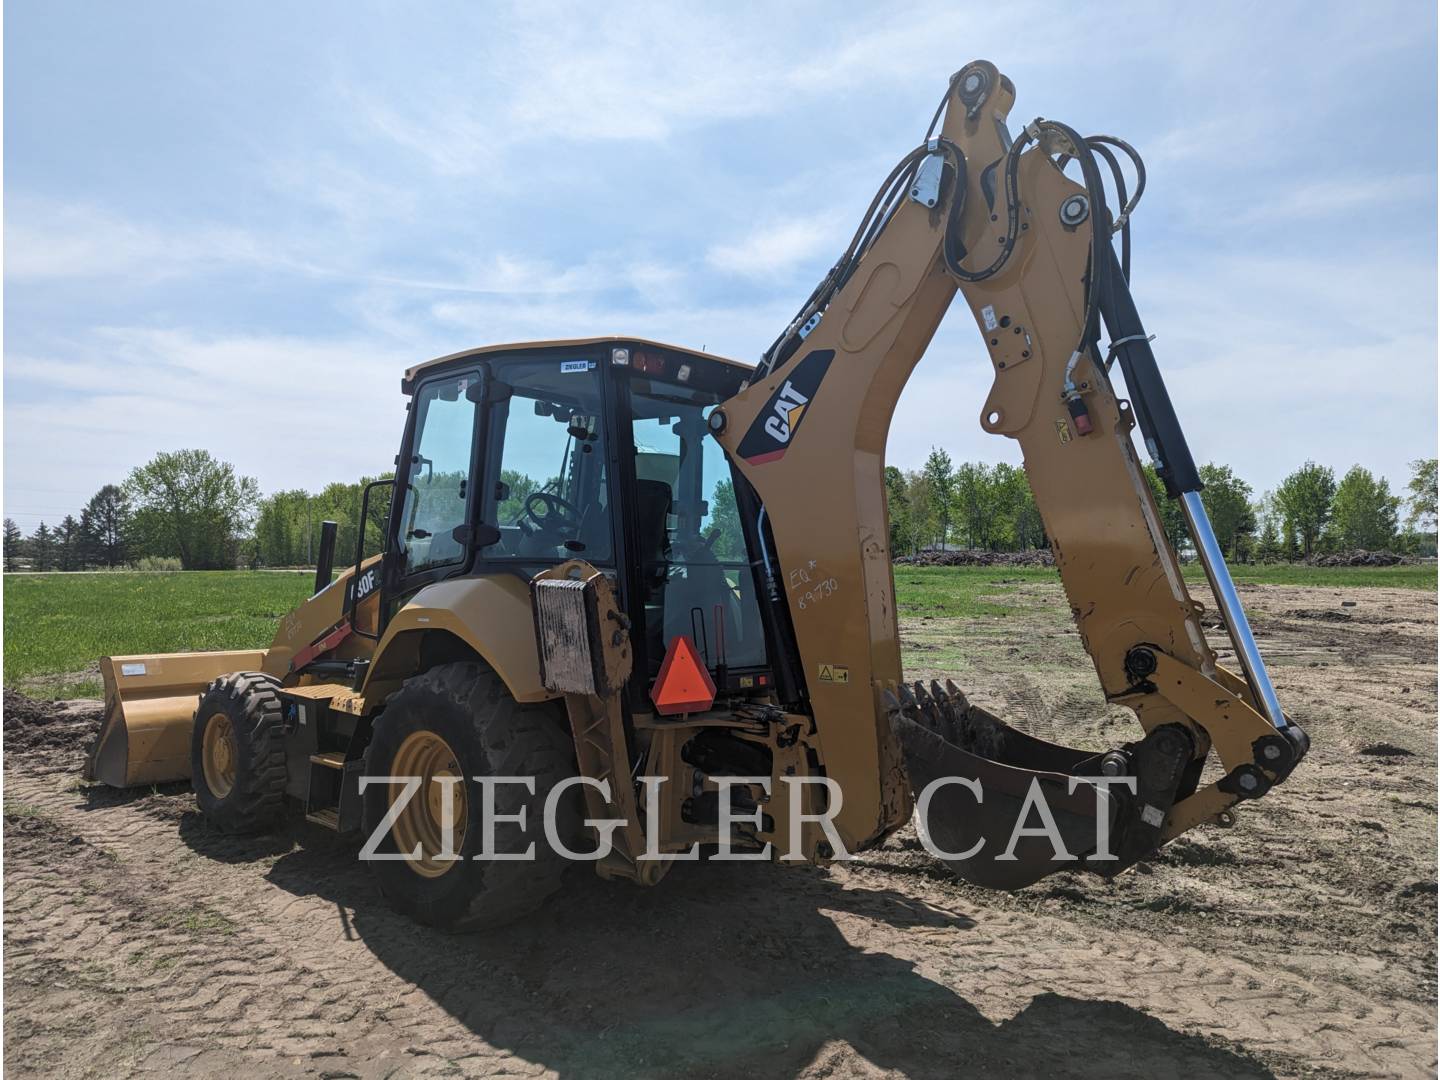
(771,433)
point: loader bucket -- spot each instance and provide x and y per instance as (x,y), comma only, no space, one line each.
(981,817)
(150,710)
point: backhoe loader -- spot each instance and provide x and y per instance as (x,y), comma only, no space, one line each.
(668,574)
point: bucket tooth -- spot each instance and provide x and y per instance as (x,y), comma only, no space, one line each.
(929,715)
(935,710)
(907,703)
(950,717)
(957,696)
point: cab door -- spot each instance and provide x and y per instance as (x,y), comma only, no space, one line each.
(431,531)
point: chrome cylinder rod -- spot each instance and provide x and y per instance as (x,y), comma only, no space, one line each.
(1228,600)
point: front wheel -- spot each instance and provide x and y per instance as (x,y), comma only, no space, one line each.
(446,727)
(237,753)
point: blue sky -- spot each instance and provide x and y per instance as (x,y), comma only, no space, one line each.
(232,226)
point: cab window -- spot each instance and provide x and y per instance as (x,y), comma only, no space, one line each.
(549,493)
(438,473)
(691,551)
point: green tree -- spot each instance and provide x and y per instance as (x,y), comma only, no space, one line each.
(14,544)
(191,505)
(1019,525)
(69,550)
(287,527)
(1267,547)
(282,529)
(973,504)
(103,525)
(728,541)
(923,518)
(1364,514)
(939,475)
(1227,503)
(897,502)
(42,548)
(1267,543)
(1304,500)
(1422,488)
(519,486)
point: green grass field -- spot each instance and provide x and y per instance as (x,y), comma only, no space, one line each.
(58,625)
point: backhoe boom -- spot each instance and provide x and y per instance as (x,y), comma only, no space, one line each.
(973,209)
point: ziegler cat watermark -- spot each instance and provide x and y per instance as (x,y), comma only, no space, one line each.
(1034,805)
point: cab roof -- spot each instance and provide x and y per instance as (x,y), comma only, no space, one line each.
(411,374)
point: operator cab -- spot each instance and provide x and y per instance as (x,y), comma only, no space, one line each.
(517,458)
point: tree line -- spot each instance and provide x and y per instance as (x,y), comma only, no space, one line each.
(990,507)
(190,510)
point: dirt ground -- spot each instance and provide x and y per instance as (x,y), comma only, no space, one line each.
(1299,943)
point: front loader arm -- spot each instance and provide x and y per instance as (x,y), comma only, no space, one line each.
(999,220)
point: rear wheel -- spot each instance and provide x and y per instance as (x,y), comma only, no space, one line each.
(446,727)
(237,753)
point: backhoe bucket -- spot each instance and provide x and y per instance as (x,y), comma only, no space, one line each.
(1000,808)
(150,711)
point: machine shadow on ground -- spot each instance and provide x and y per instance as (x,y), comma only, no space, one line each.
(722,970)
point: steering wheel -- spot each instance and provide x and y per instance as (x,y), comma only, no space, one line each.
(557,516)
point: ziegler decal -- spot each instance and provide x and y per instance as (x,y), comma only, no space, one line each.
(769,436)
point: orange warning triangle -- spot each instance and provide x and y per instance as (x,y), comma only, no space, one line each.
(683,685)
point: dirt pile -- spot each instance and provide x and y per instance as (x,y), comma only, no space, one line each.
(1361,558)
(53,736)
(968,557)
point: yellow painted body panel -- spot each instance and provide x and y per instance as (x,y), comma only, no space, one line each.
(491,614)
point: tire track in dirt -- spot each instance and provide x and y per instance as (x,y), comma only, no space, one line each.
(140,940)
(230,960)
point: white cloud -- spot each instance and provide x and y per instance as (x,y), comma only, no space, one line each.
(46,240)
(646,74)
(1324,198)
(289,411)
(773,250)
(737,331)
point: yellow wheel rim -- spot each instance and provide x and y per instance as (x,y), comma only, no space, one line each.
(218,755)
(426,755)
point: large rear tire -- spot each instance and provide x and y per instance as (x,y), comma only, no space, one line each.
(237,753)
(459,720)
